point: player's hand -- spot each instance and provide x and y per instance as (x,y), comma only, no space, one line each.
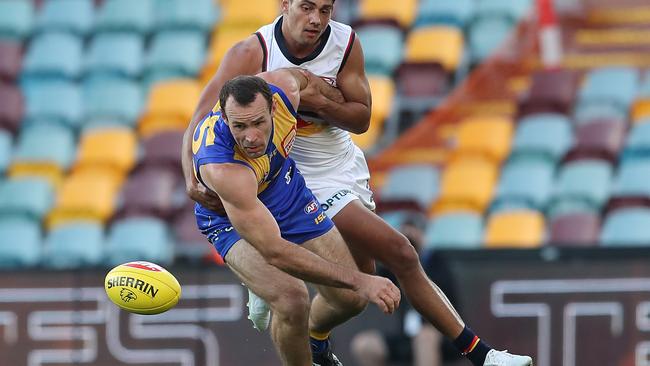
(202,195)
(380,291)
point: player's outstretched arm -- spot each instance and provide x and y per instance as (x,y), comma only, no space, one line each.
(237,187)
(244,58)
(353,114)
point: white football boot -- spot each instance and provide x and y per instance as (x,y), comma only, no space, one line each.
(258,312)
(503,358)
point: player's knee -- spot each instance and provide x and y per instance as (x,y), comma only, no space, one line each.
(291,304)
(405,257)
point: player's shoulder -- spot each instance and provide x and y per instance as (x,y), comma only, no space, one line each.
(247,49)
(338,26)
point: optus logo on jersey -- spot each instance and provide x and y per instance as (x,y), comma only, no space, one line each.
(311,207)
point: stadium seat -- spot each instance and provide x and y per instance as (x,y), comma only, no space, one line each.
(74,16)
(175,53)
(448,50)
(150,192)
(382,48)
(169,106)
(582,186)
(447,12)
(114,148)
(6,142)
(16,19)
(383,92)
(486,35)
(626,227)
(30,197)
(75,245)
(116,54)
(515,229)
(139,238)
(454,230)
(613,86)
(190,243)
(511,9)
(223,38)
(20,242)
(632,178)
(484,136)
(125,16)
(53,54)
(404,14)
(599,139)
(551,91)
(54,100)
(416,95)
(638,142)
(411,183)
(585,113)
(163,149)
(248,14)
(86,195)
(542,135)
(466,184)
(575,229)
(11,58)
(194,15)
(12,107)
(524,183)
(114,100)
(46,144)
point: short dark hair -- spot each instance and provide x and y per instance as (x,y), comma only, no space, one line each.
(244,89)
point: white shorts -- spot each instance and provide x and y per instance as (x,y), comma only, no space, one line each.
(342,185)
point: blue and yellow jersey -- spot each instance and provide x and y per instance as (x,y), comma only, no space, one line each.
(213,143)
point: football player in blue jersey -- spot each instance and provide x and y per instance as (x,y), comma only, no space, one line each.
(275,233)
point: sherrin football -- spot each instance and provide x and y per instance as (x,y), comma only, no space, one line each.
(142,288)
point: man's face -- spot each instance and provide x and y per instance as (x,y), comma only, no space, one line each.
(250,125)
(307,19)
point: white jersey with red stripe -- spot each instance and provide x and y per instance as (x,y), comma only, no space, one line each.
(319,147)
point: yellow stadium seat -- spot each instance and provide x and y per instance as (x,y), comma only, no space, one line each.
(515,229)
(640,110)
(466,184)
(382,90)
(51,172)
(223,38)
(114,148)
(403,11)
(439,44)
(85,195)
(249,13)
(488,136)
(170,106)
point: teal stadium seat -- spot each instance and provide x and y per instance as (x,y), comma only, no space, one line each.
(54,100)
(638,141)
(139,238)
(486,35)
(581,186)
(632,179)
(447,12)
(612,86)
(382,47)
(524,183)
(585,113)
(116,54)
(74,16)
(512,9)
(546,135)
(175,54)
(626,227)
(16,19)
(20,242)
(644,87)
(6,142)
(54,55)
(197,15)
(74,245)
(31,197)
(112,100)
(41,143)
(455,230)
(125,16)
(417,183)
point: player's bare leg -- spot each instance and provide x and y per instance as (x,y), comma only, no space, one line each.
(286,295)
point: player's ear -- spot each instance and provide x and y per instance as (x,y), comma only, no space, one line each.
(285,6)
(274,105)
(223,115)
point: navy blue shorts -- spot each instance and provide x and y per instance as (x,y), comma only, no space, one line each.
(296,210)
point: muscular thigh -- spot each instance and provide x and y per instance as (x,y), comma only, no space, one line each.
(265,280)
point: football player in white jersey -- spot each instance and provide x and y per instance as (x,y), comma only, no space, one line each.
(334,168)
